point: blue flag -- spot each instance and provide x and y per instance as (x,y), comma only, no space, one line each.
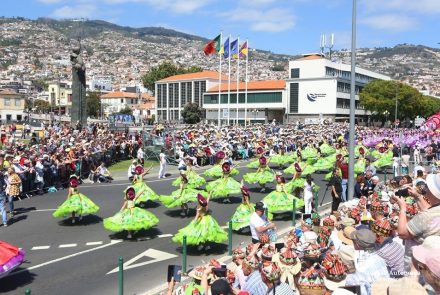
(234,48)
(226,49)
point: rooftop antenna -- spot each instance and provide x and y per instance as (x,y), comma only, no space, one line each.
(322,43)
(330,45)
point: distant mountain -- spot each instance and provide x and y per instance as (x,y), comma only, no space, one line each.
(90,28)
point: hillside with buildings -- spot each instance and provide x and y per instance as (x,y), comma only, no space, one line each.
(35,59)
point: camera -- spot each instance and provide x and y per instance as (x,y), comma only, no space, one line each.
(402,192)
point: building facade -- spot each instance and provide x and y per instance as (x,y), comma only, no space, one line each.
(173,93)
(114,102)
(60,97)
(12,106)
(258,102)
(318,88)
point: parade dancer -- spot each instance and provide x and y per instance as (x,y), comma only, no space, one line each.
(297,182)
(224,186)
(130,217)
(194,180)
(243,213)
(11,257)
(76,203)
(279,201)
(181,197)
(262,176)
(280,159)
(143,191)
(216,171)
(256,164)
(203,229)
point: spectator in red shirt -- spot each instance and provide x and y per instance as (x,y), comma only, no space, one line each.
(344,174)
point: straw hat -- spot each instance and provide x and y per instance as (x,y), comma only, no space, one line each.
(344,235)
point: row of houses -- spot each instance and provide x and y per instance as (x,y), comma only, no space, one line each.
(317,89)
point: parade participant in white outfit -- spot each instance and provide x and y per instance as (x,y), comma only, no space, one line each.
(163,164)
(308,194)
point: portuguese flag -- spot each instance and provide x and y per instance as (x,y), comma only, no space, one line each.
(212,46)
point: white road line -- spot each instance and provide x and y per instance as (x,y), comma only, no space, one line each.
(67,245)
(165,236)
(224,226)
(94,243)
(40,248)
(112,242)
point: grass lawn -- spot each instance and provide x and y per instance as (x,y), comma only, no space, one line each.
(123,165)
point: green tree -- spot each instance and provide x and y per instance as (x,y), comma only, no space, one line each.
(41,105)
(126,111)
(165,70)
(191,113)
(379,96)
(93,104)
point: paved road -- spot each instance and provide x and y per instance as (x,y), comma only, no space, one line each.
(79,259)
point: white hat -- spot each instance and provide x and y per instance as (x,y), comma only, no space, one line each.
(433,182)
(340,291)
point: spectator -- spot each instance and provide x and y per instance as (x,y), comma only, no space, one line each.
(3,199)
(405,162)
(343,165)
(140,155)
(369,167)
(13,189)
(131,170)
(369,266)
(427,260)
(102,175)
(259,223)
(336,190)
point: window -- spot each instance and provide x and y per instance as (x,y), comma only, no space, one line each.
(176,95)
(189,91)
(7,101)
(197,92)
(294,94)
(202,88)
(159,96)
(122,100)
(170,94)
(294,73)
(18,102)
(268,97)
(182,94)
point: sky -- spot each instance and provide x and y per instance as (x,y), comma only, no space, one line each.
(280,26)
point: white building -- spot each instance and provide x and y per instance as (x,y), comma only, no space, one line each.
(173,93)
(114,102)
(318,87)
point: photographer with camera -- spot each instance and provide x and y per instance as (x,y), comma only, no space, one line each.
(425,222)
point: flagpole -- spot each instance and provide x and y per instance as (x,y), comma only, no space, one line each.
(229,78)
(246,85)
(220,81)
(238,73)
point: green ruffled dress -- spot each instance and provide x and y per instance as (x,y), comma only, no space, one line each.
(216,171)
(322,164)
(131,218)
(293,184)
(356,150)
(385,160)
(279,201)
(309,152)
(280,159)
(327,149)
(307,169)
(223,187)
(359,166)
(194,180)
(179,197)
(147,192)
(262,177)
(254,164)
(201,230)
(242,216)
(77,203)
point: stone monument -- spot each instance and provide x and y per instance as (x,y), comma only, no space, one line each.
(78,111)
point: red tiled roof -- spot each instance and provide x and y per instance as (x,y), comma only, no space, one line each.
(252,86)
(311,57)
(122,94)
(8,92)
(195,76)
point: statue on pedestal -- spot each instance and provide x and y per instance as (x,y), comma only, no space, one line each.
(78,111)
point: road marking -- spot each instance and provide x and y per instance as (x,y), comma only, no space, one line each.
(224,226)
(112,242)
(165,236)
(40,248)
(67,245)
(151,253)
(94,243)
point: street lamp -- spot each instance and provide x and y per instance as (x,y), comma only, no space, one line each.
(386,114)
